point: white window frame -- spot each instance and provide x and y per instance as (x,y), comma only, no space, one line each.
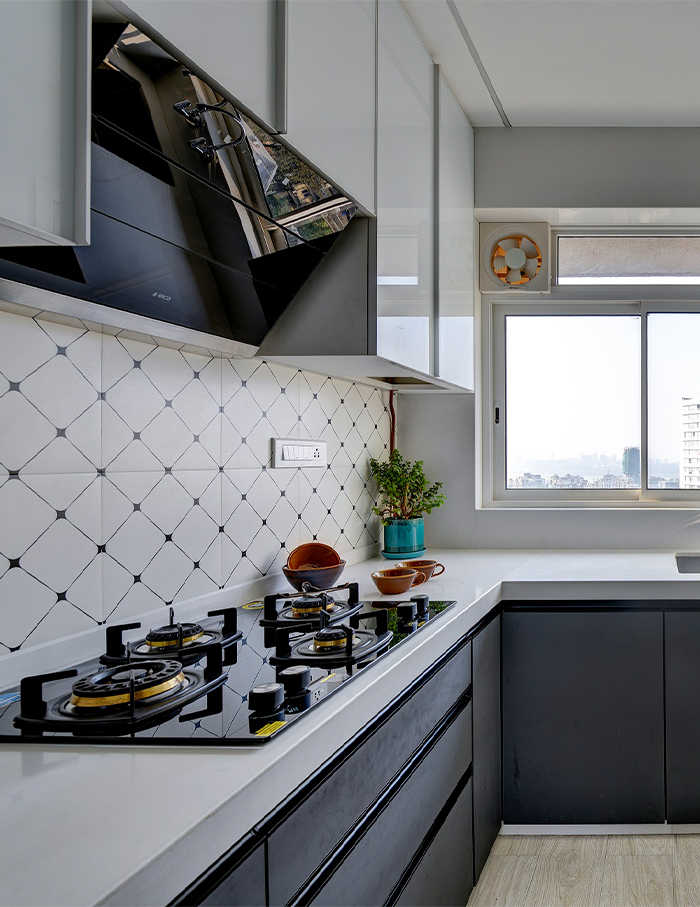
(569,300)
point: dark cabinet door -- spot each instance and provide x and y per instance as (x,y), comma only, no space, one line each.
(444,877)
(371,869)
(583,721)
(683,716)
(486,701)
(231,882)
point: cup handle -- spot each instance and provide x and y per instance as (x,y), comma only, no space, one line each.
(439,572)
(418,578)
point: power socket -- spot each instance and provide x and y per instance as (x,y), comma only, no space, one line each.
(295,452)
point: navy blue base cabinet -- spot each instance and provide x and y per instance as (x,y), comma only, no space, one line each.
(583,714)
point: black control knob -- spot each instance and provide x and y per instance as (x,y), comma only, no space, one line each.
(266,698)
(406,612)
(295,679)
(422,602)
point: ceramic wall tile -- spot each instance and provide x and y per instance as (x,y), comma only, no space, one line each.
(135,473)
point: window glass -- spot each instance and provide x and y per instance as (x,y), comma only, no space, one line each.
(628,260)
(673,377)
(573,401)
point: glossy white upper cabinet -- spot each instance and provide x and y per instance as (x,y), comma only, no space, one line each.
(233,42)
(331,86)
(44,153)
(456,232)
(405,196)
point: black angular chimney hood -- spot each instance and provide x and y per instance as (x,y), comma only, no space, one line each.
(198,217)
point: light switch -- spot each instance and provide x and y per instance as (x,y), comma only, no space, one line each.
(293,452)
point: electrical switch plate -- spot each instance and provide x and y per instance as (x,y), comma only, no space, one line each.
(295,452)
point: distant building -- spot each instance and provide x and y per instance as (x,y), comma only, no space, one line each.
(568,481)
(631,463)
(663,482)
(690,443)
(529,480)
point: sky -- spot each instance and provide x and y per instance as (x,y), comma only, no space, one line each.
(573,386)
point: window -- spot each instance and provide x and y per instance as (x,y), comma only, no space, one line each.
(631,260)
(673,370)
(592,403)
(572,401)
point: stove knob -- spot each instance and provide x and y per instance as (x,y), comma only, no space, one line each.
(423,603)
(295,679)
(406,612)
(266,698)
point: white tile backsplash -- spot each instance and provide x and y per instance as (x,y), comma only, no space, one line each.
(135,474)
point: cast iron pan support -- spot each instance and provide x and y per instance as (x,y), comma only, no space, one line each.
(32,704)
(115,645)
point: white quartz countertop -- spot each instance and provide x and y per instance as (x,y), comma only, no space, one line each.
(86,825)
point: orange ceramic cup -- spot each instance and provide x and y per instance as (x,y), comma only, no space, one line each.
(430,568)
(397,580)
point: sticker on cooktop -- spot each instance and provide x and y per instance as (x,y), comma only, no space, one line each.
(252,606)
(327,678)
(269,729)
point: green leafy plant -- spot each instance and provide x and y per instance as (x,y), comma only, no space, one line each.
(404,489)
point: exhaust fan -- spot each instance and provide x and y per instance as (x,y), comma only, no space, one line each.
(514,257)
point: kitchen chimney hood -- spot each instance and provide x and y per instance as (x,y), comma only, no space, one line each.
(199,218)
(202,220)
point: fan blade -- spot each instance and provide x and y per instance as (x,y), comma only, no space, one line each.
(529,248)
(506,244)
(513,277)
(530,268)
(499,262)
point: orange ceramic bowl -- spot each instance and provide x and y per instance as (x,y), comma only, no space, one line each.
(313,555)
(397,580)
(430,568)
(318,577)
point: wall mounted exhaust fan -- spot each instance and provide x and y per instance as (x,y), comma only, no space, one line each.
(514,257)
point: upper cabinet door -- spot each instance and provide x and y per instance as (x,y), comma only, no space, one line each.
(233,43)
(456,260)
(405,192)
(331,85)
(44,109)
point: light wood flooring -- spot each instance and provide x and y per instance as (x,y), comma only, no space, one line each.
(591,871)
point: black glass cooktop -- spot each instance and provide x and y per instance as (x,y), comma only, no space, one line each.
(213,682)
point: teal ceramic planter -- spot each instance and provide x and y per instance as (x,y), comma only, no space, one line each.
(403,538)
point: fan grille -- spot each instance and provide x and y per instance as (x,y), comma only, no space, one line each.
(502,272)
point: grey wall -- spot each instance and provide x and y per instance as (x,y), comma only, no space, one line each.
(439,429)
(592,167)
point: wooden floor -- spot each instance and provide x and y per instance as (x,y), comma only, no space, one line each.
(595,871)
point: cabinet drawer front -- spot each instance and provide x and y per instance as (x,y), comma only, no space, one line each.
(322,820)
(374,866)
(444,877)
(244,887)
(486,697)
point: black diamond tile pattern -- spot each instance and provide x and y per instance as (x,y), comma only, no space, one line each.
(134,473)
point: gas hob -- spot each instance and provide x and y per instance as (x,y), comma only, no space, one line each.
(235,677)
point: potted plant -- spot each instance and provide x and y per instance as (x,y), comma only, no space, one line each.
(405,495)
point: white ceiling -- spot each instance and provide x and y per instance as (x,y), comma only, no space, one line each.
(569,62)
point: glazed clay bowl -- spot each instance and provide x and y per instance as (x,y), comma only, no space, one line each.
(430,568)
(318,577)
(397,580)
(313,555)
